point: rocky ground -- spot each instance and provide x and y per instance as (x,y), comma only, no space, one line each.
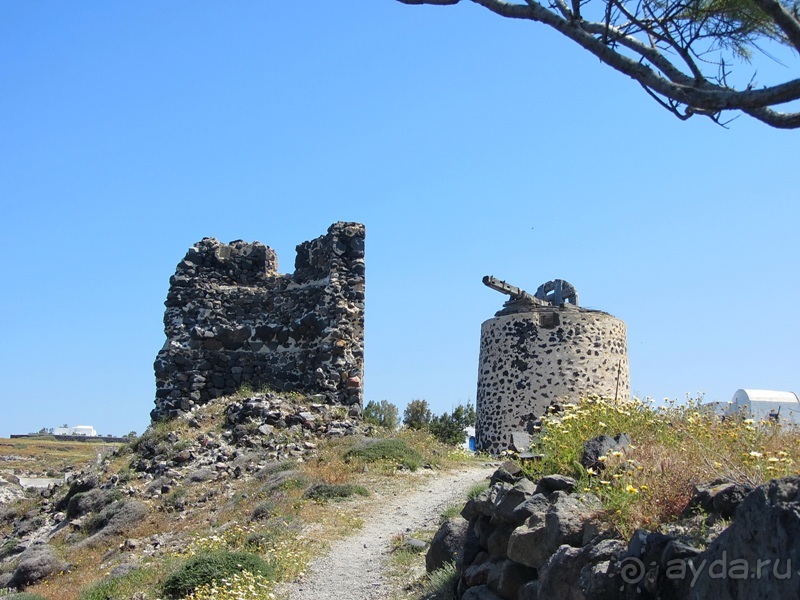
(211,471)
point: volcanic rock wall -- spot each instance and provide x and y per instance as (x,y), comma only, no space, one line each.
(232,320)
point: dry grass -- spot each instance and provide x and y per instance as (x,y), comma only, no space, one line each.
(43,457)
(674,448)
(66,586)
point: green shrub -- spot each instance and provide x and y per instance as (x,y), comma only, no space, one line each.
(381,414)
(417,415)
(125,475)
(263,510)
(441,584)
(155,440)
(21,596)
(450,429)
(335,491)
(274,529)
(283,480)
(277,466)
(477,489)
(452,511)
(205,568)
(87,502)
(177,499)
(9,547)
(386,449)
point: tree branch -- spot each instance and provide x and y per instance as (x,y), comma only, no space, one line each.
(786,21)
(696,92)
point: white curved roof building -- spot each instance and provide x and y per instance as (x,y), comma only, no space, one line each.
(767,404)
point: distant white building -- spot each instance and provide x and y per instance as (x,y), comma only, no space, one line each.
(86,430)
(766,404)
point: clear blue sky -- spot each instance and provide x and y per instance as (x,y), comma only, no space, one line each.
(467,144)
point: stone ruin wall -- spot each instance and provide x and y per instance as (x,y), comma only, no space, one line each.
(549,354)
(232,319)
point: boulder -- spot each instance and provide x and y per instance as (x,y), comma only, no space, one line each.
(718,497)
(559,577)
(447,544)
(597,581)
(497,543)
(478,572)
(508,472)
(506,503)
(529,591)
(82,484)
(472,547)
(602,445)
(508,577)
(533,543)
(36,563)
(480,592)
(532,510)
(758,555)
(86,502)
(485,502)
(578,573)
(114,519)
(555,483)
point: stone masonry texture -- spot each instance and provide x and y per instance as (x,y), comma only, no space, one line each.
(233,320)
(548,354)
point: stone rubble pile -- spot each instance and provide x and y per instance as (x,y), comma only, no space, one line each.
(268,426)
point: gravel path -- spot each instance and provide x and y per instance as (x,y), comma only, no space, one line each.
(353,568)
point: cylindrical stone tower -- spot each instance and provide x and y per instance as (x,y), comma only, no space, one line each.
(534,352)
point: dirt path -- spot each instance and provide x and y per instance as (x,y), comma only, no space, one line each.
(353,568)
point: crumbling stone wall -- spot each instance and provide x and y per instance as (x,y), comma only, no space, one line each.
(530,359)
(232,319)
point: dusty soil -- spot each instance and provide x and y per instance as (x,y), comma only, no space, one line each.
(355,567)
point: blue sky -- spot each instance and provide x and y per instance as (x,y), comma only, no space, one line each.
(467,144)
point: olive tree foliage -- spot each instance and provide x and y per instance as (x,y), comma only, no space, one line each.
(417,415)
(682,52)
(451,428)
(382,414)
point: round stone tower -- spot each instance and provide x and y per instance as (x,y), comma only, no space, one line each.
(539,349)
